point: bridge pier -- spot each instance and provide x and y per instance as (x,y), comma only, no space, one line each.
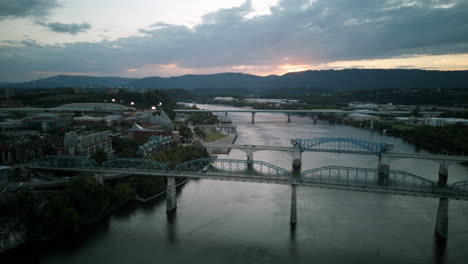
(443,174)
(297,160)
(249,159)
(372,124)
(253,117)
(289,118)
(441,226)
(171,201)
(383,172)
(293,218)
(315,119)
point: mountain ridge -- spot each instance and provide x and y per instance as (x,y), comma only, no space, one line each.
(348,79)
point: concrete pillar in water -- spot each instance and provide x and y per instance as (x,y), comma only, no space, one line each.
(171,201)
(372,124)
(315,119)
(293,218)
(249,159)
(443,174)
(383,172)
(441,226)
(225,114)
(253,117)
(289,118)
(297,160)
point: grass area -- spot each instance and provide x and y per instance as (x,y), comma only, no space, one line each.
(211,136)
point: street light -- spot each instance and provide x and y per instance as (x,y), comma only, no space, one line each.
(153,107)
(132,103)
(113,100)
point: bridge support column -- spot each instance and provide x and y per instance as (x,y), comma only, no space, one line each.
(253,117)
(383,172)
(297,161)
(289,118)
(315,119)
(249,160)
(443,174)
(225,114)
(293,219)
(171,201)
(441,226)
(372,124)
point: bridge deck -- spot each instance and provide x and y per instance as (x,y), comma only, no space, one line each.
(371,187)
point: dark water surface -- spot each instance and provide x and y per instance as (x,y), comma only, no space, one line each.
(231,222)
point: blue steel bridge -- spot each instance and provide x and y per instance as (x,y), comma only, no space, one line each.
(377,180)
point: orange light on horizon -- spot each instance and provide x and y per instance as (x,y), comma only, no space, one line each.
(298,70)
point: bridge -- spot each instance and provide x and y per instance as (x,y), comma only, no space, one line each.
(379,180)
(314,112)
(324,144)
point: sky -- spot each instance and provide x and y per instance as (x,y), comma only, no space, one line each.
(141,38)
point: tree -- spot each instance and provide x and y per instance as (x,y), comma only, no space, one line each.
(99,156)
(199,132)
(185,131)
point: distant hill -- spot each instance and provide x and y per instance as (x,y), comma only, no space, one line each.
(220,80)
(352,79)
(74,81)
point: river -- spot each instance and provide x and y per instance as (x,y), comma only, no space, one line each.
(233,222)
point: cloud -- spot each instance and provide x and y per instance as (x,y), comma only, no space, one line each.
(25,8)
(71,28)
(306,32)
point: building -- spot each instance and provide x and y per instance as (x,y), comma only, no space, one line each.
(87,144)
(24,149)
(47,121)
(155,144)
(141,134)
(438,121)
(88,120)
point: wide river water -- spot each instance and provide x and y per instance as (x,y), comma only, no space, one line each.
(234,222)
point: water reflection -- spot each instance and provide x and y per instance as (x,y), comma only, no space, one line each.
(171,226)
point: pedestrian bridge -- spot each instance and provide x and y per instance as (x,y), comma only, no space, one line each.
(337,177)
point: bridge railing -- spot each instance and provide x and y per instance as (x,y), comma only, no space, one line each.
(134,164)
(367,177)
(234,168)
(459,188)
(59,161)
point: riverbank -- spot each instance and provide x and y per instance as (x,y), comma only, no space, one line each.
(17,239)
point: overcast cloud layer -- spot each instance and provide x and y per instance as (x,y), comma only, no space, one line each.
(296,32)
(24,8)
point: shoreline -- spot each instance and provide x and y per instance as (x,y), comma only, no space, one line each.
(89,222)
